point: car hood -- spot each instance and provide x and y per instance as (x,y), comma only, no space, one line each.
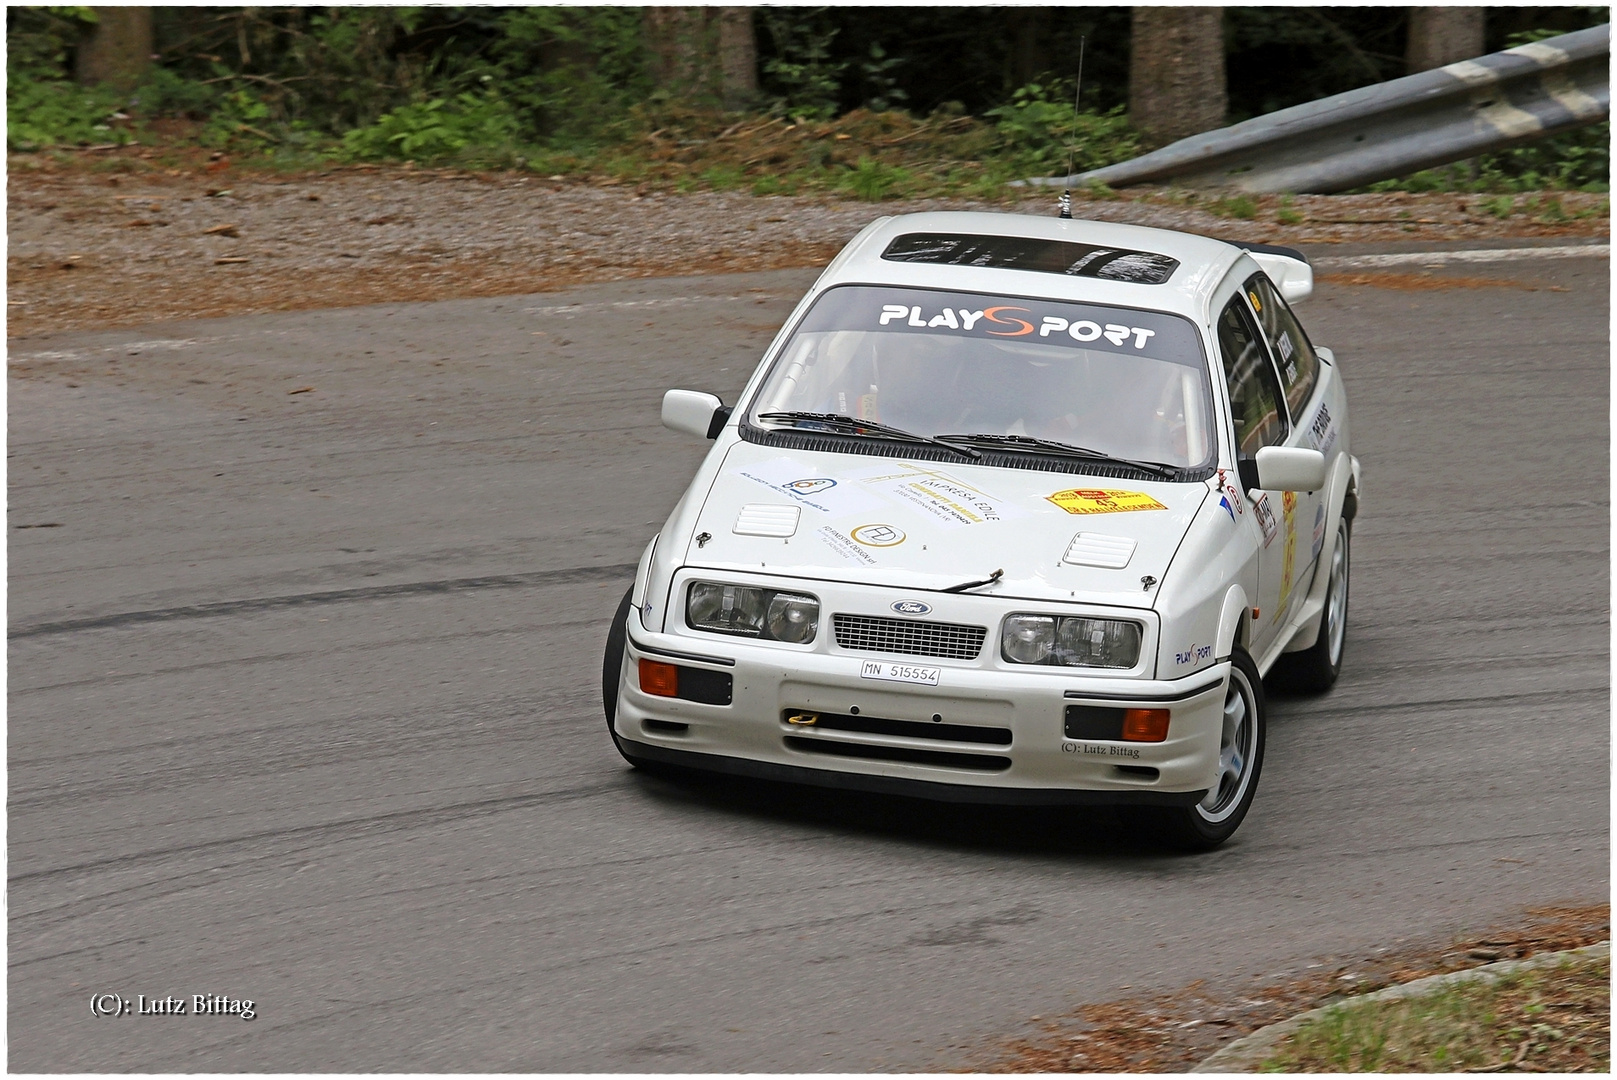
(928,525)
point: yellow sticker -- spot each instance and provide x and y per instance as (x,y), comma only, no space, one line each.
(1094,501)
(1288,562)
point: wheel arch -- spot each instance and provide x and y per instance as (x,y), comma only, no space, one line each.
(1234,621)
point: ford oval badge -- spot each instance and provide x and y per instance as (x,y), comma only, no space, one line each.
(911,607)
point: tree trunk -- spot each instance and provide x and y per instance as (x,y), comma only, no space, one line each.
(682,51)
(1176,72)
(1442,35)
(738,58)
(1029,55)
(118,49)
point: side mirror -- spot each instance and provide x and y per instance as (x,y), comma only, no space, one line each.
(1290,468)
(1292,276)
(692,412)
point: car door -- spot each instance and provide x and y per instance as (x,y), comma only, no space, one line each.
(1258,412)
(1294,360)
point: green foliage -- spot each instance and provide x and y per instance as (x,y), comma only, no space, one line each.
(872,181)
(878,71)
(1244,207)
(569,72)
(570,89)
(58,113)
(436,129)
(43,108)
(1040,128)
(807,83)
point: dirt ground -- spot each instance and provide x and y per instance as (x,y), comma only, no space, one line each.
(1172,1032)
(113,240)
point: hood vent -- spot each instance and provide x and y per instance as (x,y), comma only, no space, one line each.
(1095,549)
(761,519)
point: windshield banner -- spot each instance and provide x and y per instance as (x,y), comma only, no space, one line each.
(1046,322)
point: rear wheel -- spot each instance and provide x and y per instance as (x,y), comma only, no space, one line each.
(1214,820)
(1315,669)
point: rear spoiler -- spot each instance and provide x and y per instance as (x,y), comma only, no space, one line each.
(1287,267)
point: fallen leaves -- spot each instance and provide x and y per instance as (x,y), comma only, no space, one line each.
(222,230)
(1424,282)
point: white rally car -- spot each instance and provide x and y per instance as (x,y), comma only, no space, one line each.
(1015,510)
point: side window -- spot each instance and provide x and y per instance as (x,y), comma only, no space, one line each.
(1254,393)
(1293,353)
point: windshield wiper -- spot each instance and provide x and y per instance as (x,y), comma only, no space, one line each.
(848,425)
(1029,444)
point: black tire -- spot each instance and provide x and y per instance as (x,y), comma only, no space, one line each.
(612,670)
(1314,670)
(1209,823)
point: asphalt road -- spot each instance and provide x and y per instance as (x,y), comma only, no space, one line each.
(304,707)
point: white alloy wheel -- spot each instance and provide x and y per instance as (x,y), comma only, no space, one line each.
(1212,821)
(1237,751)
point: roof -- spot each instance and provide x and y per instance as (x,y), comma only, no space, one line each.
(1202,260)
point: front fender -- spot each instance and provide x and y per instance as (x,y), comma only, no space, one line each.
(1205,589)
(1232,622)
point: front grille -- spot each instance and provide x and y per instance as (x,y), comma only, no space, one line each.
(945,758)
(867,633)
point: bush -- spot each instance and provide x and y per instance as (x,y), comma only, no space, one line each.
(1040,127)
(440,128)
(873,181)
(59,113)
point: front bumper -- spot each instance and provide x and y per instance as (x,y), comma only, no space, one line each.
(1016,749)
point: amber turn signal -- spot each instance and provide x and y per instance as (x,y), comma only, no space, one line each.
(662,679)
(1139,725)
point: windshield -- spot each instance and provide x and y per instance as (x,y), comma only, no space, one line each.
(1128,384)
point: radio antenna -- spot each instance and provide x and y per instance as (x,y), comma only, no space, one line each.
(1078,88)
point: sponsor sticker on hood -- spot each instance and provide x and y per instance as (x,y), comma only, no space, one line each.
(1103,501)
(829,495)
(949,502)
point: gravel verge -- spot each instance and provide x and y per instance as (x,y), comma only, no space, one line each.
(120,242)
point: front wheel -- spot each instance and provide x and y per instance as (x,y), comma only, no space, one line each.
(617,639)
(1214,820)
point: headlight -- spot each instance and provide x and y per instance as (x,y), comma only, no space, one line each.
(1028,639)
(759,613)
(792,618)
(1071,642)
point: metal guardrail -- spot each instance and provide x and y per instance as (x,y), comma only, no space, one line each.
(1392,128)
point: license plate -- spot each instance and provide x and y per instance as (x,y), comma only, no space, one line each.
(875,669)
